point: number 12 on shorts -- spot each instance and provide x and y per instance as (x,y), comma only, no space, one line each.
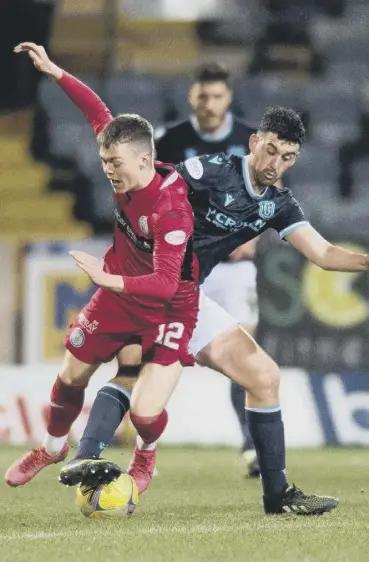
(169,333)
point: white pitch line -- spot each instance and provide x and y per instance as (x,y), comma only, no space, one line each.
(156,530)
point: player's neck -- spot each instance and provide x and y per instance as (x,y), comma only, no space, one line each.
(224,124)
(256,186)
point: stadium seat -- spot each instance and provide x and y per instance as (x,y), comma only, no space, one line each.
(88,163)
(152,108)
(87,155)
(176,91)
(313,196)
(65,137)
(343,217)
(102,198)
(253,95)
(315,166)
(136,93)
(337,103)
(352,72)
(360,179)
(329,134)
(56,103)
(353,50)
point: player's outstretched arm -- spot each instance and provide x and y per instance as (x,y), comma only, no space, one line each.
(327,256)
(96,112)
(171,234)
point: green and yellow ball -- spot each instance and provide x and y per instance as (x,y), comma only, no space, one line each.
(117,499)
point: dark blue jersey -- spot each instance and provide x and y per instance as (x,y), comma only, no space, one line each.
(182,140)
(227,210)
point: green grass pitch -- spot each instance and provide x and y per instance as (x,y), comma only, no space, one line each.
(199,508)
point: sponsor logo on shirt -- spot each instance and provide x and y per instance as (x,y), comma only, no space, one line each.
(194,168)
(125,227)
(175,238)
(89,326)
(221,220)
(77,337)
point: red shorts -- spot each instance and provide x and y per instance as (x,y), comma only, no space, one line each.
(108,323)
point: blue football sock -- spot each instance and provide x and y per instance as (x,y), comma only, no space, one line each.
(108,409)
(238,402)
(266,428)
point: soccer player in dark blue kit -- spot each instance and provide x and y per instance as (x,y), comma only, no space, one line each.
(218,341)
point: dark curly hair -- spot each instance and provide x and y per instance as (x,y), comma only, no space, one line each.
(285,122)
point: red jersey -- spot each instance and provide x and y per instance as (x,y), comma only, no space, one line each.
(152,247)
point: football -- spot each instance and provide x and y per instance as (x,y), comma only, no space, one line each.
(117,499)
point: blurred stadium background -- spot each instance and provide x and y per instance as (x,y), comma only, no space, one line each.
(312,55)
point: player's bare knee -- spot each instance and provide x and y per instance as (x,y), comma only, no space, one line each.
(229,353)
(139,406)
(216,355)
(265,380)
(74,372)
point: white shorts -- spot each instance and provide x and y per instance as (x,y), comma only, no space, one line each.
(228,297)
(233,286)
(212,321)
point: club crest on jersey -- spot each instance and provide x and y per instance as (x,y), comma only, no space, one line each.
(77,337)
(143,224)
(266,209)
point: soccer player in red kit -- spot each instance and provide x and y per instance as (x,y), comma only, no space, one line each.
(147,286)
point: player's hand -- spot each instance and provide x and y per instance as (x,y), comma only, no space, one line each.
(40,59)
(90,265)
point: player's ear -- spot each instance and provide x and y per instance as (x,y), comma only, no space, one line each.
(146,159)
(192,97)
(253,141)
(230,96)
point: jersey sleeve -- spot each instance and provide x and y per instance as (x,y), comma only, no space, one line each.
(290,217)
(172,232)
(203,171)
(96,112)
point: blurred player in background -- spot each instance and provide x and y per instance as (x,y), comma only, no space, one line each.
(210,128)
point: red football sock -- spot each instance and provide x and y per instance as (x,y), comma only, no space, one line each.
(150,428)
(65,405)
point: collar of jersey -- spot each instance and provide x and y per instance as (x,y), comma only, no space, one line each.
(214,137)
(248,184)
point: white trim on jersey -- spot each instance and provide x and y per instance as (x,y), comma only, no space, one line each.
(246,179)
(213,137)
(286,231)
